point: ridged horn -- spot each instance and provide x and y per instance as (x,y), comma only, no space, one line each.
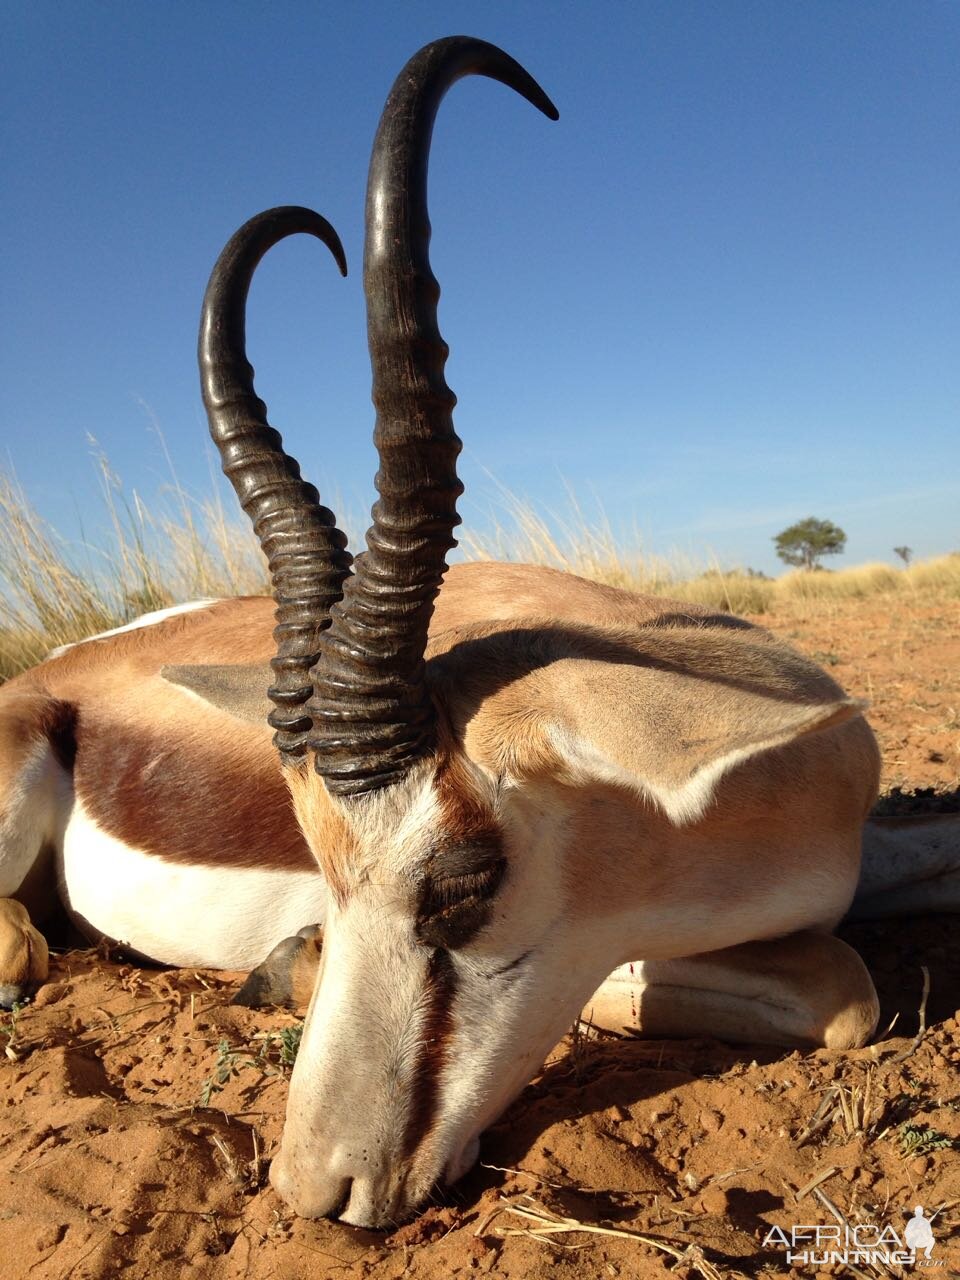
(372,715)
(305,550)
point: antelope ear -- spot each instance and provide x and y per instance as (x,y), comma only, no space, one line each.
(684,708)
(240,691)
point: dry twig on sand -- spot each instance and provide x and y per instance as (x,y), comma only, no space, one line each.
(922,1019)
(545,1225)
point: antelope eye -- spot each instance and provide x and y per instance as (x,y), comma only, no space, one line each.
(452,909)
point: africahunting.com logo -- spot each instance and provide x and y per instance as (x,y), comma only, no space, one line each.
(856,1244)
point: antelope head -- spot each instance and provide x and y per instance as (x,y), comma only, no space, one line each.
(431,784)
(418,941)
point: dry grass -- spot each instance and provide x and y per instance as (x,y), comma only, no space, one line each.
(588,546)
(547,1226)
(52,593)
(179,548)
(584,543)
(941,575)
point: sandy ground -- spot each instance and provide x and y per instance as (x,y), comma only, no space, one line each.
(110,1166)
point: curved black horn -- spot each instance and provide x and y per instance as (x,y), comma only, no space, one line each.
(305,550)
(372,715)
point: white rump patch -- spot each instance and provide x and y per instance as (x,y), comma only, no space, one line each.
(146,620)
(178,914)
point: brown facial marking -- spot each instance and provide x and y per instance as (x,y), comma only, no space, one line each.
(190,801)
(465,865)
(326,827)
(463,815)
(452,909)
(441,991)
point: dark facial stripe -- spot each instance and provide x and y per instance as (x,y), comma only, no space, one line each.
(441,991)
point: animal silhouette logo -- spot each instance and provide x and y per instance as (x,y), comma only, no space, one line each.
(849,1243)
(918,1234)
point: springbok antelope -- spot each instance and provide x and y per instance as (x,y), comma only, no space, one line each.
(492,798)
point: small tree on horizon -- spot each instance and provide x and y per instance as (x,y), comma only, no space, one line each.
(804,543)
(905,554)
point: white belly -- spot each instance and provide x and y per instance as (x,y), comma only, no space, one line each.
(211,917)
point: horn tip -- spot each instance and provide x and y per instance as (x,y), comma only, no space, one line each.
(336,248)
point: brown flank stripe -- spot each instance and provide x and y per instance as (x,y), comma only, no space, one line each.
(156,795)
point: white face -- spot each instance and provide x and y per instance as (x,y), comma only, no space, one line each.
(451,966)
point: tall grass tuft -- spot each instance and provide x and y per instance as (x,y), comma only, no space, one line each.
(941,574)
(52,593)
(854,583)
(588,546)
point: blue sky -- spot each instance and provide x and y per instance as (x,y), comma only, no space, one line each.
(722,293)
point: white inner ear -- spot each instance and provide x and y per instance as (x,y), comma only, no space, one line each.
(686,801)
(682,805)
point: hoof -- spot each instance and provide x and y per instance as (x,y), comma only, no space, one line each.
(288,974)
(24,959)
